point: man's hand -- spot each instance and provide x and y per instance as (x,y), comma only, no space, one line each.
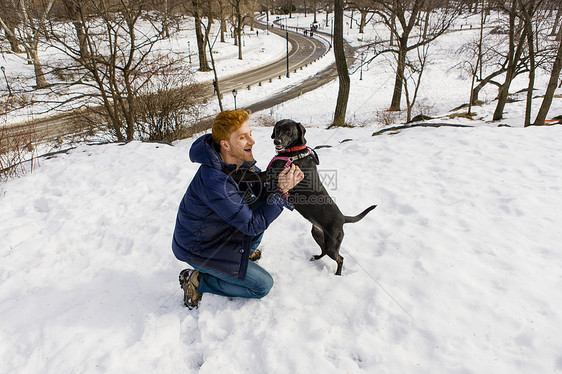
(289,178)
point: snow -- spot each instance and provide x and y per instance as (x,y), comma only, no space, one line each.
(456,271)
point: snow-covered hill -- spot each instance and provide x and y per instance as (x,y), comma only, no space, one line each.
(457,270)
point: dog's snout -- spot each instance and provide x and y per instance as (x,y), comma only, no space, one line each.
(277,142)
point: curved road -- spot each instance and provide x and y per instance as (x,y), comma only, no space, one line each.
(304,50)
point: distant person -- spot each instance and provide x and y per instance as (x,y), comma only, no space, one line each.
(219,223)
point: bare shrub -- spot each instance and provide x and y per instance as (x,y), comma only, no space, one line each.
(263,120)
(425,108)
(15,101)
(17,151)
(386,117)
(167,105)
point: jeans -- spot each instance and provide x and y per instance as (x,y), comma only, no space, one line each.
(255,243)
(256,285)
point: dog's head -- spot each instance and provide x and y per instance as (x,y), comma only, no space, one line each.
(288,133)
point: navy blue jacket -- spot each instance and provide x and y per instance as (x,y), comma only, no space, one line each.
(215,224)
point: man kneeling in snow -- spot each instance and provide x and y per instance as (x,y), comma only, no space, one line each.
(220,223)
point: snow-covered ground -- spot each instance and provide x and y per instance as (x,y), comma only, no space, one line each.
(456,271)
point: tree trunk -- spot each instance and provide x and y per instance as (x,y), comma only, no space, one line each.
(79,27)
(73,11)
(239,27)
(363,20)
(240,45)
(201,47)
(165,21)
(556,23)
(532,65)
(290,8)
(481,39)
(392,28)
(502,96)
(552,83)
(223,21)
(513,60)
(341,65)
(217,83)
(478,61)
(314,10)
(40,81)
(14,45)
(399,79)
(483,83)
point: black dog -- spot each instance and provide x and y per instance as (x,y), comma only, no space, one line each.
(309,197)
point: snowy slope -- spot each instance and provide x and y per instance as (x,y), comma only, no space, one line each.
(457,270)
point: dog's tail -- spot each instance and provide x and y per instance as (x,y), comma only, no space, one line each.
(360,216)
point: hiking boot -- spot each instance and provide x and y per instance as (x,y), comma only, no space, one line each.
(256,255)
(189,281)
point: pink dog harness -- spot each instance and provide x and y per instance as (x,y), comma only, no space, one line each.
(290,160)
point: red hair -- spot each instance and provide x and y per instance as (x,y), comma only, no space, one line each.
(227,122)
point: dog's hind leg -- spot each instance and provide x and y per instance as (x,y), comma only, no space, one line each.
(333,243)
(318,236)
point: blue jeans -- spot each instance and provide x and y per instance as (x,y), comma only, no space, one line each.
(256,285)
(255,243)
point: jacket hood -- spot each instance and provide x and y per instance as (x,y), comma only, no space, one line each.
(203,151)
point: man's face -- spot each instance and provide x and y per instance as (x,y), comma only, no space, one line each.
(239,146)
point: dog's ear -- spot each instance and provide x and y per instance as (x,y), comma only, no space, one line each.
(302,131)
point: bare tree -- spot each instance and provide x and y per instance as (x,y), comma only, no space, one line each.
(11,20)
(410,14)
(517,39)
(528,12)
(552,83)
(222,17)
(489,50)
(556,25)
(314,10)
(199,9)
(31,17)
(71,11)
(341,65)
(479,60)
(120,62)
(239,21)
(365,8)
(413,77)
(217,81)
(167,104)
